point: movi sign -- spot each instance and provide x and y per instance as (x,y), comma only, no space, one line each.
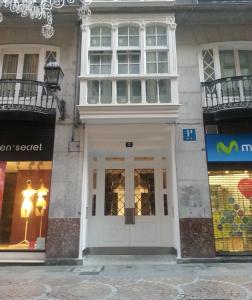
(231,148)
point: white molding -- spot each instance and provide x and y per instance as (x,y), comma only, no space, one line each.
(105,114)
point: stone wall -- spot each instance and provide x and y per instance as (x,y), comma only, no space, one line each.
(193,190)
(65,200)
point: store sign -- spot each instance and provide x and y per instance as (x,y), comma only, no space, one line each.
(26,142)
(229,148)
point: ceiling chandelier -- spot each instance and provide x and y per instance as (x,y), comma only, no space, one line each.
(42,10)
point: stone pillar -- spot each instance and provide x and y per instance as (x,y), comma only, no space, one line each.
(196,228)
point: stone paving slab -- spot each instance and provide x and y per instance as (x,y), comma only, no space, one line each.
(128,282)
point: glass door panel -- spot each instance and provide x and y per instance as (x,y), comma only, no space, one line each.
(114,192)
(144,192)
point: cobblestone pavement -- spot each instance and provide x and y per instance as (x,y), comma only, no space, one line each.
(226,281)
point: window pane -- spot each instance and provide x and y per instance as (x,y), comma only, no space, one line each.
(95,31)
(151,56)
(135,91)
(245,62)
(134,69)
(151,40)
(122,91)
(106,41)
(162,40)
(95,58)
(123,30)
(106,91)
(94,69)
(164,91)
(162,68)
(123,69)
(105,31)
(162,56)
(95,41)
(151,91)
(30,71)
(133,30)
(105,69)
(150,30)
(122,58)
(161,30)
(51,56)
(93,92)
(227,63)
(134,58)
(134,41)
(123,41)
(10,66)
(151,68)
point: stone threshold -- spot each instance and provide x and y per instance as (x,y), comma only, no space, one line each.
(218,259)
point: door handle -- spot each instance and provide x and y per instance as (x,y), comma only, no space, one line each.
(129,215)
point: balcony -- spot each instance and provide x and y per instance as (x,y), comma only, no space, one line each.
(227,98)
(26,96)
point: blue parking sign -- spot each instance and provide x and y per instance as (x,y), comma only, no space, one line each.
(189,134)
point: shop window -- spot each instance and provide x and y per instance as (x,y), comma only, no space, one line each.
(231,194)
(24,202)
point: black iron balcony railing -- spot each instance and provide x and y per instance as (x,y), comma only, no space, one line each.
(226,93)
(26,95)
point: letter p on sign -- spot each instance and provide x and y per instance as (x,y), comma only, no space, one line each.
(189,134)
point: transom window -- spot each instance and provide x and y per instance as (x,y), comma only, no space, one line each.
(128,62)
(100,62)
(100,36)
(128,36)
(157,62)
(156,35)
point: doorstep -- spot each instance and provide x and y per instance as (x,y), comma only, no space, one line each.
(22,258)
(218,259)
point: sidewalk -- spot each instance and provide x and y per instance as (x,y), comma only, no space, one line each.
(132,279)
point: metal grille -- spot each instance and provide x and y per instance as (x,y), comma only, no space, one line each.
(144,192)
(231,200)
(114,192)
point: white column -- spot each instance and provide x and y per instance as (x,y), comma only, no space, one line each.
(173,59)
(84,62)
(143,59)
(84,197)
(114,61)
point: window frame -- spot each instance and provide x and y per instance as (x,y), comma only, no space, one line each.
(128,36)
(21,50)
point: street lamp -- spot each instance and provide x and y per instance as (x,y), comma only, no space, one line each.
(53,78)
(53,75)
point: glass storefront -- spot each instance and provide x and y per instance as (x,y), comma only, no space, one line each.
(231,200)
(24,202)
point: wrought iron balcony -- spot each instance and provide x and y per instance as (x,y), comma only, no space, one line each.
(27,95)
(227,93)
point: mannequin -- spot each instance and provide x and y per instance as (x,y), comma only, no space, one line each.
(41,204)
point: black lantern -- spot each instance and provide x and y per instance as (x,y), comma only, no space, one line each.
(53,75)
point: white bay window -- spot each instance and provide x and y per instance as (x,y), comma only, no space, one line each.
(129,63)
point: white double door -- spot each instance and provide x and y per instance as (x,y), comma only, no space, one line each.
(126,205)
